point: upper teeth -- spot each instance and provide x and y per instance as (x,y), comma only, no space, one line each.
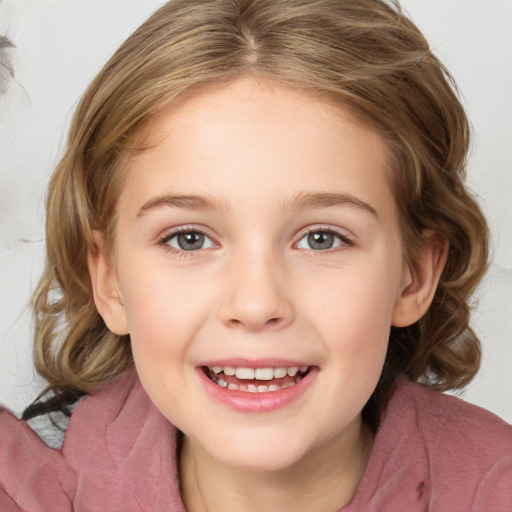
(260,373)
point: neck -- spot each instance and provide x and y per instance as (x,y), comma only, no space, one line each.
(325,479)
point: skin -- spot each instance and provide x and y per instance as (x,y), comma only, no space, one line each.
(258,290)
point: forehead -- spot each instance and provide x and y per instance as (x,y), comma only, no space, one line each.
(254,137)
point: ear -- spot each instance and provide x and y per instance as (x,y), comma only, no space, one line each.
(421,280)
(107,297)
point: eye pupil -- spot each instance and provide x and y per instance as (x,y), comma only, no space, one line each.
(321,240)
(190,241)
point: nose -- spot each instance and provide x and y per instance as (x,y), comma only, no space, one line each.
(257,295)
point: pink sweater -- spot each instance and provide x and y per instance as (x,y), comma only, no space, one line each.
(432,453)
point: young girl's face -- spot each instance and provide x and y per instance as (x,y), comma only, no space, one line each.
(259,236)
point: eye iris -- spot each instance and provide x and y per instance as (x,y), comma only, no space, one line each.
(321,240)
(190,241)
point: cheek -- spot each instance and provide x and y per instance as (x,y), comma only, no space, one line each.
(355,311)
(360,293)
(150,295)
(164,310)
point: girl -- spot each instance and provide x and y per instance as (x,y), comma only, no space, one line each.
(260,251)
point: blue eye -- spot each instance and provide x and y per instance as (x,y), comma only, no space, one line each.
(188,241)
(322,240)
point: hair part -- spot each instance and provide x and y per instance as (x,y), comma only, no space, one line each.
(364,56)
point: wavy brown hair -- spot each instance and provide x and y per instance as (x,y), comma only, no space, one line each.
(365,56)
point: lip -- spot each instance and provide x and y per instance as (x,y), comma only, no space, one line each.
(255,403)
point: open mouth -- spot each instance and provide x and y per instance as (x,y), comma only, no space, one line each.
(255,380)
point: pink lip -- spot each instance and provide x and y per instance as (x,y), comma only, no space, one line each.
(246,402)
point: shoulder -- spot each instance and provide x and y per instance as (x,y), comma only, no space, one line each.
(35,473)
(436,452)
(445,421)
(458,456)
(118,435)
(110,437)
(32,475)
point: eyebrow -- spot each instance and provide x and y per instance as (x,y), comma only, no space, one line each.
(304,201)
(190,202)
(300,201)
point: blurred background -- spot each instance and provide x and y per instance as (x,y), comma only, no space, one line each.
(51,49)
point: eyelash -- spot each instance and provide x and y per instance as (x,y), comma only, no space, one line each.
(346,241)
(164,240)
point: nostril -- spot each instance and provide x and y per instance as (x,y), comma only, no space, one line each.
(235,322)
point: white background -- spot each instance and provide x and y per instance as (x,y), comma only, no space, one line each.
(61,44)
